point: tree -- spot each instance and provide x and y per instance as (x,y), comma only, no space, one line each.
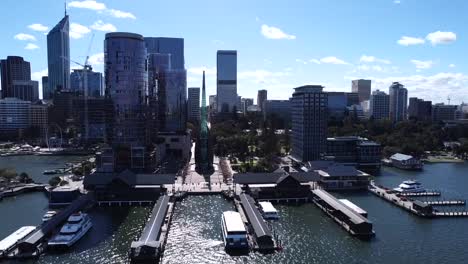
(24,178)
(54,181)
(8,174)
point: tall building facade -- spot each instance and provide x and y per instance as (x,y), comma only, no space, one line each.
(193,104)
(420,109)
(226,80)
(379,107)
(58,56)
(47,94)
(26,90)
(398,102)
(337,103)
(13,68)
(172,46)
(363,88)
(245,103)
(94,82)
(352,99)
(279,108)
(309,122)
(443,112)
(262,97)
(126,81)
(14,116)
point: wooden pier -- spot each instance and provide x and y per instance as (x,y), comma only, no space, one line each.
(446,202)
(418,194)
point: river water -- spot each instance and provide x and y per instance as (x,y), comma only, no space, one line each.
(307,234)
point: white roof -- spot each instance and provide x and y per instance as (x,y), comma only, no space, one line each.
(12,239)
(399,156)
(233,222)
(354,207)
(267,207)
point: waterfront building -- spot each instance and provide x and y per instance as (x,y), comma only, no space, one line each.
(97,126)
(26,90)
(279,108)
(58,56)
(226,81)
(14,117)
(337,103)
(362,88)
(193,104)
(39,117)
(309,122)
(126,81)
(398,102)
(442,112)
(94,83)
(262,97)
(379,105)
(47,94)
(339,177)
(419,109)
(406,162)
(352,99)
(356,151)
(13,68)
(245,103)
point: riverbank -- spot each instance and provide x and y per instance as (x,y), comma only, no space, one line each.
(442,159)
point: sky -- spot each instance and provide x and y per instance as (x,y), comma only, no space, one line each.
(280,44)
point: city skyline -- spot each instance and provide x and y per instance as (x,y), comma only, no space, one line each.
(274,52)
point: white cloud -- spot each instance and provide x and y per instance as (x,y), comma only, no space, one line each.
(31,46)
(409,41)
(397,2)
(429,87)
(38,27)
(315,61)
(452,65)
(87,4)
(78,31)
(23,36)
(372,59)
(275,33)
(199,70)
(121,14)
(101,26)
(440,37)
(422,65)
(333,60)
(96,59)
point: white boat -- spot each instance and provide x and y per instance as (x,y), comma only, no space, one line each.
(48,216)
(76,227)
(410,186)
(234,231)
(268,211)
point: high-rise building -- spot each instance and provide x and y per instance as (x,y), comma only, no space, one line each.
(93,118)
(14,117)
(39,118)
(212,101)
(47,94)
(281,109)
(352,99)
(443,112)
(419,109)
(172,46)
(58,56)
(172,96)
(379,107)
(262,97)
(13,68)
(245,103)
(398,102)
(363,88)
(239,103)
(226,80)
(126,82)
(193,104)
(26,90)
(337,103)
(309,122)
(94,80)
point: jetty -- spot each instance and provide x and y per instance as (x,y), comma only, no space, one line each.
(23,188)
(150,246)
(417,207)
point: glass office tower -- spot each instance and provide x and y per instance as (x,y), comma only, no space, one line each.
(58,56)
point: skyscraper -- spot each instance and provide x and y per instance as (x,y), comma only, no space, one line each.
(226,80)
(262,96)
(309,122)
(245,103)
(172,46)
(419,109)
(13,68)
(46,92)
(94,80)
(398,102)
(193,104)
(379,105)
(363,88)
(126,81)
(58,56)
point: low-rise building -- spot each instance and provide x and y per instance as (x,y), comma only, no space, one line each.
(355,151)
(406,162)
(341,177)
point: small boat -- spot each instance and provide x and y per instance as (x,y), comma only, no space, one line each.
(410,186)
(76,227)
(234,231)
(268,211)
(56,171)
(48,216)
